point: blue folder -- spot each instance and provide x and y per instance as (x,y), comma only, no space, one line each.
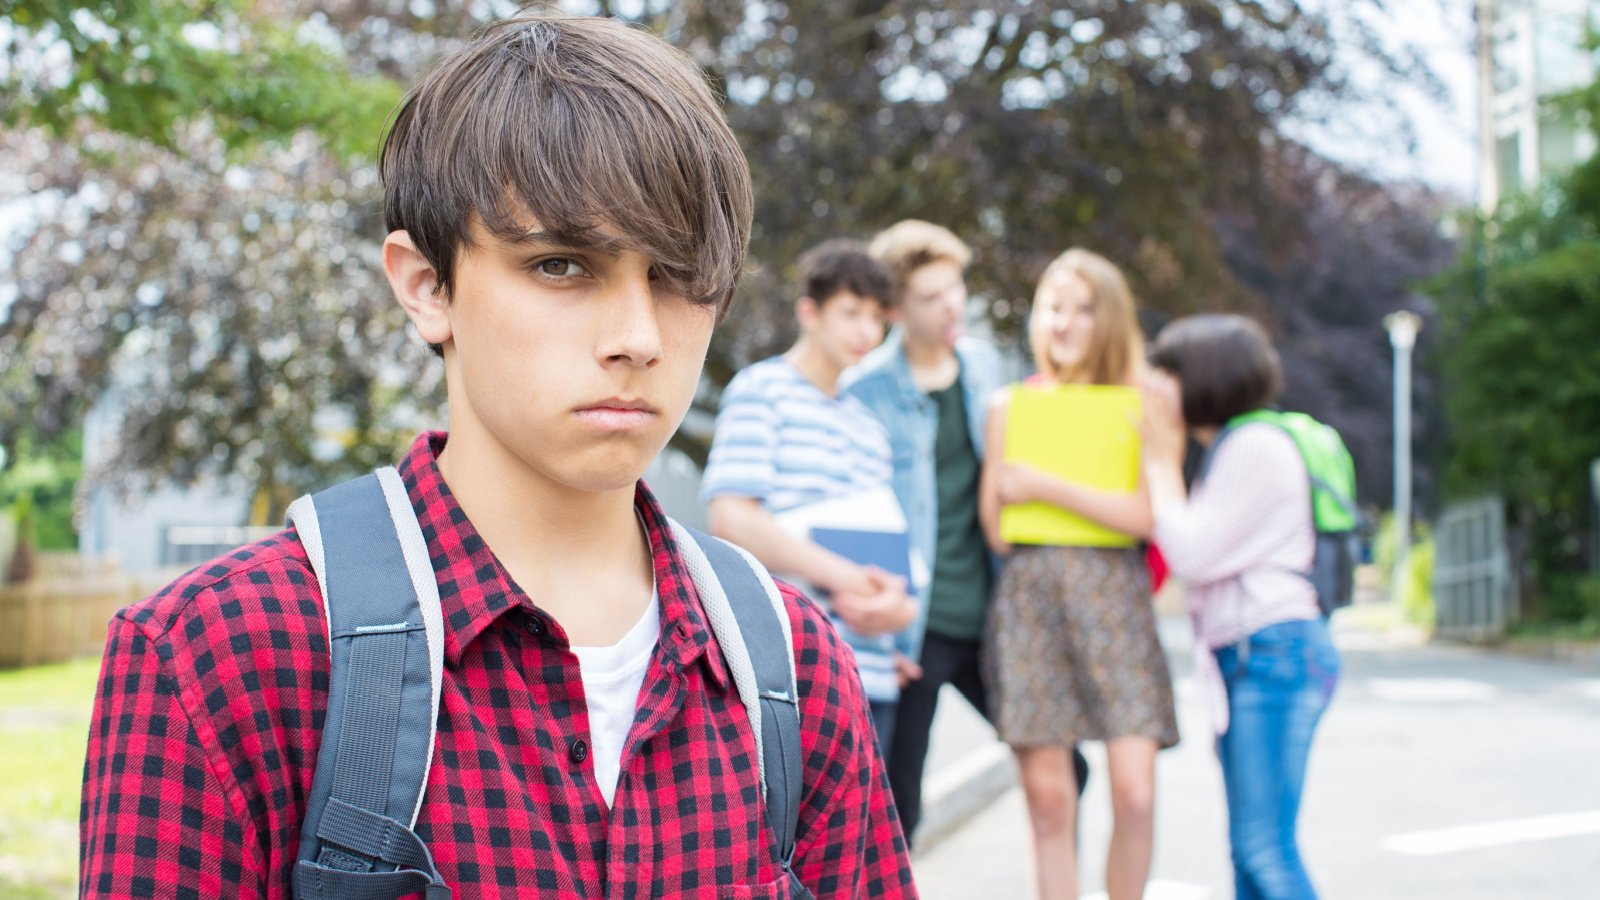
(888,550)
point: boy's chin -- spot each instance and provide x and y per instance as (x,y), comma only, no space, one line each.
(613,469)
(605,479)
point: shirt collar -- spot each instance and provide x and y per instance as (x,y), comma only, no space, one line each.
(685,631)
(475,590)
(893,350)
(900,367)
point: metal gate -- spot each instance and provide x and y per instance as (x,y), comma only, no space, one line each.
(1474,594)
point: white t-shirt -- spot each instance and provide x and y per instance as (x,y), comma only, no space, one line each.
(612,677)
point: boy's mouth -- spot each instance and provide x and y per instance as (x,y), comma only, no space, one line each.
(617,414)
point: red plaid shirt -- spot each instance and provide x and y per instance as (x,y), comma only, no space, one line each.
(212,694)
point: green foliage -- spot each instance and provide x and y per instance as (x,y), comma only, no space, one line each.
(1416,593)
(1521,319)
(1573,598)
(1526,413)
(1416,597)
(1584,629)
(152,68)
(38,487)
(1384,547)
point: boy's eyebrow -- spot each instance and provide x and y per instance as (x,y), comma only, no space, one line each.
(600,243)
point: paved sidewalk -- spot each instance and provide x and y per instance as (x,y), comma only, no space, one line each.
(1423,739)
(968,768)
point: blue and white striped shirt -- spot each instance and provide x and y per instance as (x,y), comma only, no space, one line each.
(783,441)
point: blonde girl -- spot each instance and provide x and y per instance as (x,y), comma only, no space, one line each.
(1072,649)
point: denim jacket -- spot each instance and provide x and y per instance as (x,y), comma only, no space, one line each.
(883,382)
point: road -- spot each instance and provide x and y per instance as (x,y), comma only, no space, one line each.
(1438,772)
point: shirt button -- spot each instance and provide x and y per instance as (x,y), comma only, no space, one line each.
(535,626)
(579,751)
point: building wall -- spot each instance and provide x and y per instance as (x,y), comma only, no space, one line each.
(165,528)
(1538,55)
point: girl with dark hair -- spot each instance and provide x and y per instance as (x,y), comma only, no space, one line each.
(1240,543)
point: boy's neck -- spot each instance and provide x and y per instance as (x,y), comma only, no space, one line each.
(934,367)
(578,555)
(815,366)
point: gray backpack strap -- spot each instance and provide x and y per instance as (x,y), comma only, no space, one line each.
(1210,454)
(747,616)
(386,642)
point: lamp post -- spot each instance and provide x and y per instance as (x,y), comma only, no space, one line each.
(1594,488)
(1402,327)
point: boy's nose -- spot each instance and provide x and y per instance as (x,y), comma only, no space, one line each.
(630,328)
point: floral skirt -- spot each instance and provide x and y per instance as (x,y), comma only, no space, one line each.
(1071,650)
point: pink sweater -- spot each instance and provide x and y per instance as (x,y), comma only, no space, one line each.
(1239,544)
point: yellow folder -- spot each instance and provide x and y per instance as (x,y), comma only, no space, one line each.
(1083,433)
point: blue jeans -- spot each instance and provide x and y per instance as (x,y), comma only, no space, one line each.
(1279,681)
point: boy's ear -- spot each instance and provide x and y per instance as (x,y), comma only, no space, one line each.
(806,311)
(416,286)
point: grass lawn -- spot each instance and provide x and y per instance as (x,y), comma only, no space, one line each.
(44,718)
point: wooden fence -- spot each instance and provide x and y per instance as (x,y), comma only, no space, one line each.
(63,611)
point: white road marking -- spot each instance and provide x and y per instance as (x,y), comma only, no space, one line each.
(1164,890)
(1431,690)
(1494,834)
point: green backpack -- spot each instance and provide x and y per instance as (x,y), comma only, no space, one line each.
(1336,519)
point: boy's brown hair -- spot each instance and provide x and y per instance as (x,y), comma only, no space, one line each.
(566,124)
(911,244)
(839,265)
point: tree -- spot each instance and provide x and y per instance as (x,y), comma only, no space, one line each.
(238,318)
(149,69)
(1366,251)
(1140,130)
(36,501)
(231,280)
(204,241)
(1521,311)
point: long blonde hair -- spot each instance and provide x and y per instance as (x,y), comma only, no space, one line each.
(1116,352)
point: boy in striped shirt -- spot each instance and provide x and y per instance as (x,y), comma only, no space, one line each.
(785,438)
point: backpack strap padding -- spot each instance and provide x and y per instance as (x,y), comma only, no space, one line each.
(332,883)
(1210,454)
(751,625)
(386,645)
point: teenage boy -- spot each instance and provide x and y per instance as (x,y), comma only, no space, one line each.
(786,439)
(568,214)
(930,385)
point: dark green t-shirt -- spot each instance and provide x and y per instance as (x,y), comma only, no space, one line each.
(959,595)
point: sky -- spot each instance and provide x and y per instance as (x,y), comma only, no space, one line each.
(1445,154)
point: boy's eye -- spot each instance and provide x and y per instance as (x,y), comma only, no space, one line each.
(559,267)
